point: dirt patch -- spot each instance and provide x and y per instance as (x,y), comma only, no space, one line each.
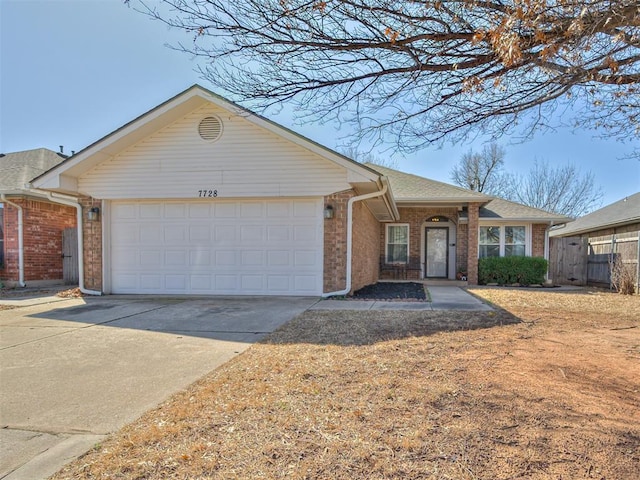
(406,291)
(408,395)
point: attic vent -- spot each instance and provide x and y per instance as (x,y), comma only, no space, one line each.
(210,129)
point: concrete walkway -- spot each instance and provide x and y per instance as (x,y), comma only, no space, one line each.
(442,298)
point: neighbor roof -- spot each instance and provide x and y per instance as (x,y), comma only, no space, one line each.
(413,188)
(617,214)
(19,168)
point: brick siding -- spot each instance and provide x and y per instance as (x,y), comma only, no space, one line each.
(335,242)
(472,244)
(92,231)
(43,223)
(537,239)
(364,262)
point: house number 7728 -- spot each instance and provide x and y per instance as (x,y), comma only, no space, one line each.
(208,193)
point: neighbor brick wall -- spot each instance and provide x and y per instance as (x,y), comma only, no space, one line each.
(335,242)
(43,223)
(364,262)
(92,231)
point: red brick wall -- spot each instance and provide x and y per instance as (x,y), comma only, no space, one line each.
(92,231)
(472,244)
(365,253)
(43,223)
(335,242)
(537,239)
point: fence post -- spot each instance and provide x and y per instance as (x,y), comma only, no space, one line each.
(612,259)
(638,264)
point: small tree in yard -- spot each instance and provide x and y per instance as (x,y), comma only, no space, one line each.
(623,276)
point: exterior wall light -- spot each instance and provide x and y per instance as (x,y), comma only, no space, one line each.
(328,212)
(93,213)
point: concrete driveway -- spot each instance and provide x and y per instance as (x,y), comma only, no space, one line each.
(75,370)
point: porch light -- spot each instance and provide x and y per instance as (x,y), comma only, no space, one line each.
(92,214)
(328,212)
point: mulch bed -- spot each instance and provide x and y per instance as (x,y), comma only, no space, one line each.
(391,291)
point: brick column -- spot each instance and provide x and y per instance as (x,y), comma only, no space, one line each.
(92,232)
(472,244)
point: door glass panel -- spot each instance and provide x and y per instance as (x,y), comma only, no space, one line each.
(436,254)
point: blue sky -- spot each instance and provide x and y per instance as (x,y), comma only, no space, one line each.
(73,71)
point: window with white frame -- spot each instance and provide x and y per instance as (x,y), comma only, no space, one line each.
(397,243)
(502,241)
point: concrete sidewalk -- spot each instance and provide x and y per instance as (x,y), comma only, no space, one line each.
(442,298)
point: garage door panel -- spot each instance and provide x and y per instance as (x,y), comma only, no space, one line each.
(252,247)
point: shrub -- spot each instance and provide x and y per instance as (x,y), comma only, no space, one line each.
(508,270)
(623,276)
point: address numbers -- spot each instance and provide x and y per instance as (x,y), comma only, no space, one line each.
(207,193)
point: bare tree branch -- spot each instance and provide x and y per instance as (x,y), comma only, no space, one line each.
(421,71)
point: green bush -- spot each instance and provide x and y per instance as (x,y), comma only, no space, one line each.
(508,270)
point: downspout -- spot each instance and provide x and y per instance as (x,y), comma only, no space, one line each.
(73,202)
(20,240)
(352,200)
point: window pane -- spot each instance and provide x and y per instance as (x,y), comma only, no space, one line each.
(514,235)
(397,253)
(398,234)
(514,251)
(489,251)
(490,235)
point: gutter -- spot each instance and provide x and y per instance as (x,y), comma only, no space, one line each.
(72,202)
(20,240)
(352,200)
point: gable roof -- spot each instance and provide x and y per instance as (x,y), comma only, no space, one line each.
(19,168)
(409,188)
(617,214)
(169,111)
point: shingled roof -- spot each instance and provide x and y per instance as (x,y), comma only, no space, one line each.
(19,168)
(623,212)
(410,188)
(413,188)
(501,209)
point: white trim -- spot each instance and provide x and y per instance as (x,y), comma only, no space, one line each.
(528,248)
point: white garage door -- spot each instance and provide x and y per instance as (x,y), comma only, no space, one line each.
(261,247)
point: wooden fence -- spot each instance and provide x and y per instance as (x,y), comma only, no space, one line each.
(588,260)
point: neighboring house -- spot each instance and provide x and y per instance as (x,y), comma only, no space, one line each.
(200,196)
(583,251)
(619,217)
(31,225)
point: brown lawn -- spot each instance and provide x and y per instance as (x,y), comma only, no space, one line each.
(436,395)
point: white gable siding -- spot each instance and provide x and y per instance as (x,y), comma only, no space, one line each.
(246,161)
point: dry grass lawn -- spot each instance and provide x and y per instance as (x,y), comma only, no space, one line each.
(546,387)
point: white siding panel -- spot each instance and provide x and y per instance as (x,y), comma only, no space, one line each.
(250,247)
(246,161)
